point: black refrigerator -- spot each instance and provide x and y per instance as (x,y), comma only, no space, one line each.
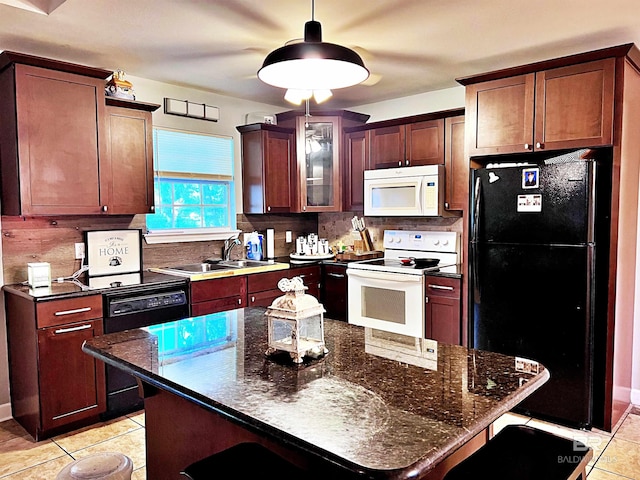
(538,261)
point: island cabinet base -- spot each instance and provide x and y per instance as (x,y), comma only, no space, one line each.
(180,432)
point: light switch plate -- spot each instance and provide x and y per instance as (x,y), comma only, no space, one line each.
(287,237)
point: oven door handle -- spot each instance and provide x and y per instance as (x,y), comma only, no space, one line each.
(393,277)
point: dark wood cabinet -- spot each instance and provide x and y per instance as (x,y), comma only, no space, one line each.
(268,165)
(456,166)
(319,157)
(356,161)
(263,287)
(62,150)
(129,133)
(54,385)
(51,155)
(412,144)
(443,309)
(552,109)
(335,291)
(218,295)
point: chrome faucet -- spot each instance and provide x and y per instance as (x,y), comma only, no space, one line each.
(229,243)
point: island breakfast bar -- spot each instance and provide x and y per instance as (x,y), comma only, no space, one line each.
(370,408)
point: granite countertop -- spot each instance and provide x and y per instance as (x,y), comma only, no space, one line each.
(375,415)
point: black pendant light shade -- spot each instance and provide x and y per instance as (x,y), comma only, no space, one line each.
(313,64)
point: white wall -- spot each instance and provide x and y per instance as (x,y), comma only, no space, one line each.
(446,99)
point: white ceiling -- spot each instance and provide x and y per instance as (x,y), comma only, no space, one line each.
(410,46)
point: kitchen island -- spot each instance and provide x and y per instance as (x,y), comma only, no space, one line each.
(208,385)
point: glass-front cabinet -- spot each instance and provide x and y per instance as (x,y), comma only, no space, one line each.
(318,164)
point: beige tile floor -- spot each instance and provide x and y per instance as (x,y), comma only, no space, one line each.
(616,455)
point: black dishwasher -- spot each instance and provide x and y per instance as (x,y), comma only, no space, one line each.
(138,306)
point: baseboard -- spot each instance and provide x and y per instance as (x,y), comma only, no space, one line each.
(5,412)
(635,396)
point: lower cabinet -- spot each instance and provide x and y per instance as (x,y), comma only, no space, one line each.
(218,294)
(263,287)
(55,386)
(334,291)
(443,309)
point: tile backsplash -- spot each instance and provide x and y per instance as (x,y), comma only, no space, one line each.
(336,227)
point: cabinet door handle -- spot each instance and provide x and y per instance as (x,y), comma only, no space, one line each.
(407,163)
(239,301)
(268,209)
(336,275)
(152,208)
(440,287)
(72,329)
(253,299)
(527,146)
(540,145)
(400,163)
(71,312)
(105,208)
(304,208)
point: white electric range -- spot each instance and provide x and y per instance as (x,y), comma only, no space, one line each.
(386,295)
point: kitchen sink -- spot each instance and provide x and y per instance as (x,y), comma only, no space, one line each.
(223,268)
(243,263)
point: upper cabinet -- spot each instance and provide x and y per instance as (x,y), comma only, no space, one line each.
(62,150)
(428,139)
(319,157)
(551,109)
(356,161)
(129,134)
(412,144)
(456,166)
(268,158)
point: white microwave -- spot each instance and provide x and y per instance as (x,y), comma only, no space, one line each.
(408,191)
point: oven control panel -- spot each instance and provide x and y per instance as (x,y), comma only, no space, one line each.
(124,306)
(421,241)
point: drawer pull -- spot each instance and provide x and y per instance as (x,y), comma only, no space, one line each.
(71,312)
(336,275)
(72,329)
(440,287)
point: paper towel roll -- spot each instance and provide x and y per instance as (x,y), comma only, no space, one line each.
(270,243)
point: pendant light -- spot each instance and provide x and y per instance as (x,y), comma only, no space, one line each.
(312,67)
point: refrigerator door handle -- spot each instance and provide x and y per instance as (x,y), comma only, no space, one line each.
(476,210)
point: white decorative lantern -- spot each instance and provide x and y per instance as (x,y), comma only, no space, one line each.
(296,322)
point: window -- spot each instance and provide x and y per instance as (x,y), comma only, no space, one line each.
(194,189)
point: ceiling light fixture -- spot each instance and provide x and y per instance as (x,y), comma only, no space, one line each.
(312,67)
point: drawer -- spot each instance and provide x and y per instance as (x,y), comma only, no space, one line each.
(77,309)
(260,282)
(443,286)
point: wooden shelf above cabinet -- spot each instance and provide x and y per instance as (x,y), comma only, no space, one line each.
(134,104)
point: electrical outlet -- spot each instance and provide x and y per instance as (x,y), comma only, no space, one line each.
(79,250)
(287,237)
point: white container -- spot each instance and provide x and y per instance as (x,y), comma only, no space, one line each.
(39,274)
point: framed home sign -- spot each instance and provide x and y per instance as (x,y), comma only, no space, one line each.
(113,251)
